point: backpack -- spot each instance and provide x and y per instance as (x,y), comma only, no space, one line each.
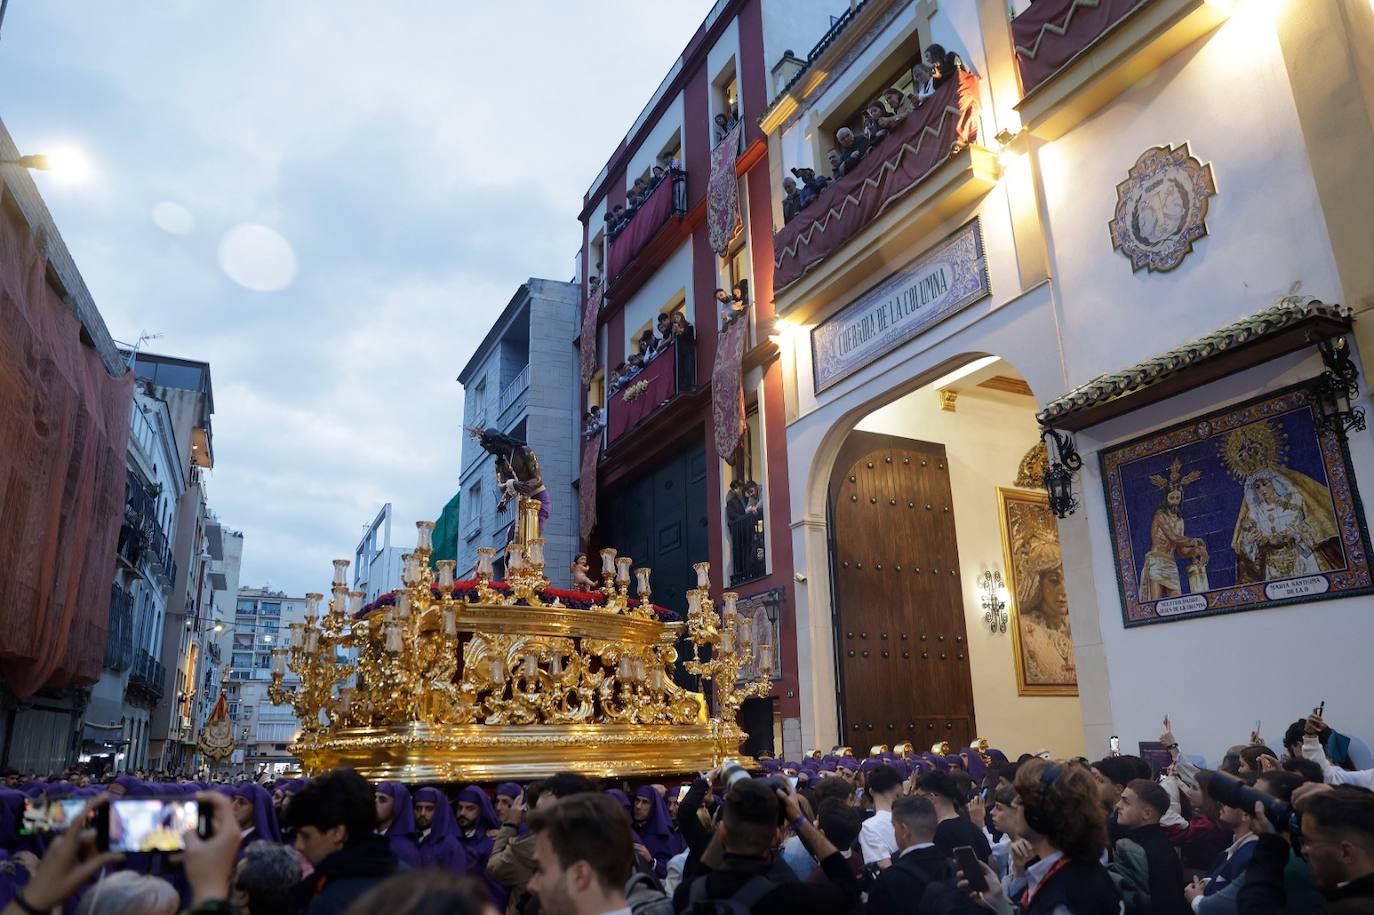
(742,903)
(1130,873)
(645,896)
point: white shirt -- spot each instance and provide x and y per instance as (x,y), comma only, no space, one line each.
(876,838)
(1334,775)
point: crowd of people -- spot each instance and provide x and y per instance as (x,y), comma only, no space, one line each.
(880,118)
(619,216)
(1288,831)
(673,332)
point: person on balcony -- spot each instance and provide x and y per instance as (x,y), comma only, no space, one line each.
(901,105)
(875,113)
(812,185)
(852,148)
(737,523)
(944,65)
(731,307)
(922,85)
(664,328)
(724,124)
(832,156)
(648,349)
(684,351)
(791,200)
(753,516)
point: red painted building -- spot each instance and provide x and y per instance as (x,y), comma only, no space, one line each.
(661,483)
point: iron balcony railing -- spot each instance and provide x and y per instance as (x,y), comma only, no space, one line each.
(148,674)
(518,385)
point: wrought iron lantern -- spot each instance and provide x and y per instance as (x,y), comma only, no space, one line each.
(1337,389)
(1064,461)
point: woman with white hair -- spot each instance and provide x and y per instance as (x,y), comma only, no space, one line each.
(128,893)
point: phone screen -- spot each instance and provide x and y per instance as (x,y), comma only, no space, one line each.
(792,779)
(151,824)
(967,860)
(1115,744)
(43,815)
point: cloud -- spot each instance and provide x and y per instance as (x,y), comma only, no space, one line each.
(420,159)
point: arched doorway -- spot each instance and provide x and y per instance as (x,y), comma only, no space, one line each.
(927,508)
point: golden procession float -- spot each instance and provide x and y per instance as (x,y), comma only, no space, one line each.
(481,679)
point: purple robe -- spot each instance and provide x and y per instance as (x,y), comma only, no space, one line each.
(264,828)
(478,844)
(441,847)
(656,832)
(401,832)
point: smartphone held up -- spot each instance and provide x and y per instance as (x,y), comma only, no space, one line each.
(150,824)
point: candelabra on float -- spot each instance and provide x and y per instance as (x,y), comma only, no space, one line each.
(445,679)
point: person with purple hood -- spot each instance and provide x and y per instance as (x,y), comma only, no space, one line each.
(13,874)
(255,815)
(396,821)
(508,794)
(437,833)
(477,827)
(655,829)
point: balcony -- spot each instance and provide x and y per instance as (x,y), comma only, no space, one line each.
(1074,57)
(671,371)
(666,202)
(119,641)
(894,168)
(147,676)
(511,392)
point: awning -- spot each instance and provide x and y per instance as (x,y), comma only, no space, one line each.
(1295,322)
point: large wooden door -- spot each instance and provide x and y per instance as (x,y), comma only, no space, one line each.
(660,520)
(899,618)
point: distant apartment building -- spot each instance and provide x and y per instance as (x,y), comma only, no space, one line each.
(262,731)
(521,381)
(376,563)
(116,728)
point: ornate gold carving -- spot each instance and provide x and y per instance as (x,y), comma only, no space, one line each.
(1031,473)
(438,686)
(948,397)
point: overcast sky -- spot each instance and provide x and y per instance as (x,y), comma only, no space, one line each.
(329,202)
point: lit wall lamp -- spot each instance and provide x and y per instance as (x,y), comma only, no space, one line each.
(1064,461)
(994,601)
(1337,388)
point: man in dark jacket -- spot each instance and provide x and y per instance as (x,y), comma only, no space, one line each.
(750,830)
(335,817)
(918,864)
(1338,842)
(1138,811)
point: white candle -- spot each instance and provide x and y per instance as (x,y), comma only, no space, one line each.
(402,605)
(622,570)
(766,658)
(703,570)
(727,640)
(450,622)
(341,571)
(608,561)
(279,663)
(355,602)
(424,539)
(642,580)
(446,567)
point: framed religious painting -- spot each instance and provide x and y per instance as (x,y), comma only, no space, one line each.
(1041,637)
(1247,507)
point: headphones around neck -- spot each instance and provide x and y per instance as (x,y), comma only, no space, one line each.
(1036,817)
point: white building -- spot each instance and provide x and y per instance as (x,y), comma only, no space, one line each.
(376,563)
(262,731)
(1065,333)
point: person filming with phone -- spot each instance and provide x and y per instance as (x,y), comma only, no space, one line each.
(1066,826)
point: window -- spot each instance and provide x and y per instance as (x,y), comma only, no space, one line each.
(271,609)
(472,509)
(246,608)
(242,659)
(477,412)
(262,661)
(270,625)
(746,507)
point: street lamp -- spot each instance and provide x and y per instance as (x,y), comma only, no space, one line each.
(40,162)
(66,165)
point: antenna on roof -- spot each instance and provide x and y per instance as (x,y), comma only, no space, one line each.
(143,338)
